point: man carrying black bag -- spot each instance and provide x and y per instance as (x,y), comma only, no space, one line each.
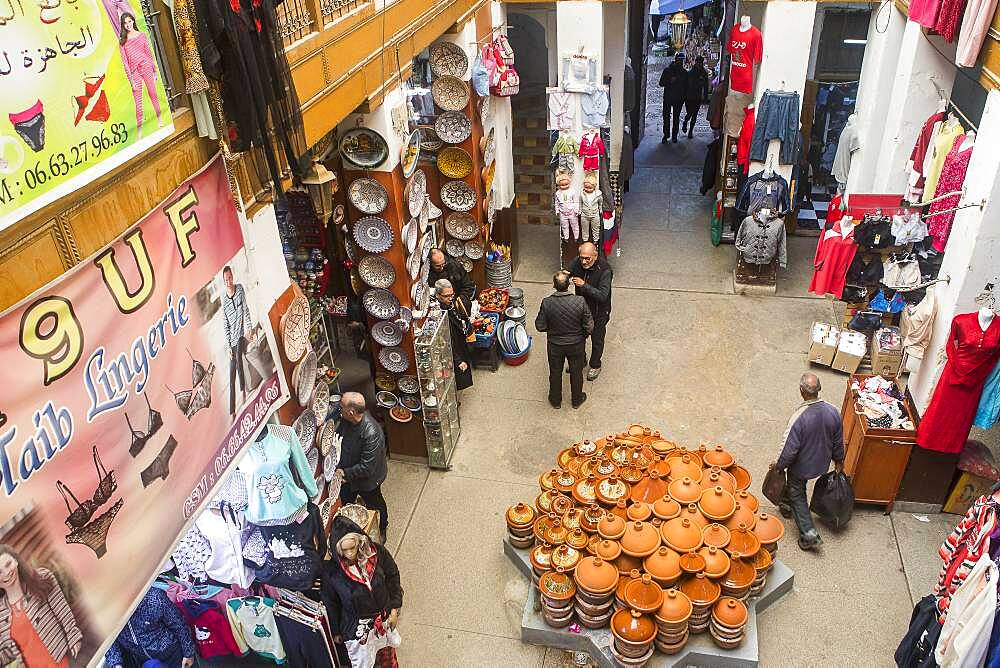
(813,438)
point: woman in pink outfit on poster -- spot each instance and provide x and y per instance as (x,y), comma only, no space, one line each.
(140,68)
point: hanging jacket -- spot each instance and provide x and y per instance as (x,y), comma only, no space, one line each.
(294,552)
(916,649)
(212,633)
(963,547)
(964,640)
(156,629)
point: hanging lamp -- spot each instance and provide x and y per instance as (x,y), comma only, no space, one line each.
(680,27)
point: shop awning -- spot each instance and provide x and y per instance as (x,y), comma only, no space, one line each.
(673,6)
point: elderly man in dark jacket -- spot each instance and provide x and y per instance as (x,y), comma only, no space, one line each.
(592,277)
(813,437)
(567,322)
(442,267)
(363,466)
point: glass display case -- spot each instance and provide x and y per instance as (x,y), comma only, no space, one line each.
(436,373)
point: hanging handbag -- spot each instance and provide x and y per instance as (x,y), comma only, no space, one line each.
(865,321)
(506,82)
(480,73)
(773,486)
(503,49)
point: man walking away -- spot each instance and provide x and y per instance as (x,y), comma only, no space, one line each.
(673,80)
(567,322)
(696,92)
(363,466)
(236,319)
(592,276)
(814,436)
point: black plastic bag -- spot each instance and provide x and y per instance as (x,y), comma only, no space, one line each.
(833,499)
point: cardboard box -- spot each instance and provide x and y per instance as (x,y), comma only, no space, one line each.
(885,358)
(851,350)
(846,362)
(823,352)
(967,489)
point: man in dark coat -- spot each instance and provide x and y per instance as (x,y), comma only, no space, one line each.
(673,80)
(363,466)
(442,267)
(567,322)
(592,277)
(461,327)
(696,92)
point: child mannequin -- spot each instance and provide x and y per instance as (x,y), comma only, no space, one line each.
(567,206)
(590,208)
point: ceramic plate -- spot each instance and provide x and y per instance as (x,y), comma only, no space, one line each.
(405,317)
(320,400)
(454,162)
(425,245)
(386,399)
(488,173)
(394,359)
(489,153)
(432,211)
(380,304)
(429,141)
(448,59)
(387,333)
(454,248)
(376,271)
(461,226)
(474,249)
(295,328)
(415,291)
(416,191)
(385,381)
(326,439)
(410,235)
(305,428)
(450,93)
(305,375)
(356,283)
(401,414)
(363,147)
(408,384)
(368,196)
(410,153)
(413,265)
(453,127)
(410,401)
(373,234)
(338,214)
(312,456)
(458,196)
(425,270)
(485,108)
(351,248)
(325,508)
(425,214)
(466,264)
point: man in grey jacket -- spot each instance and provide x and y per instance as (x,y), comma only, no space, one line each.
(814,436)
(363,466)
(567,322)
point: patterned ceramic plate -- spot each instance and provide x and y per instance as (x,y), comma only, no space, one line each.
(376,271)
(450,93)
(304,377)
(416,191)
(410,232)
(338,214)
(466,264)
(386,399)
(454,248)
(448,59)
(394,359)
(425,270)
(410,153)
(312,456)
(320,400)
(453,127)
(461,226)
(474,249)
(387,333)
(295,328)
(326,507)
(363,147)
(410,401)
(454,162)
(351,248)
(485,109)
(408,384)
(326,441)
(356,283)
(305,428)
(415,290)
(458,196)
(487,173)
(425,244)
(429,141)
(401,413)
(380,304)
(329,466)
(373,234)
(405,318)
(385,381)
(413,265)
(368,196)
(490,150)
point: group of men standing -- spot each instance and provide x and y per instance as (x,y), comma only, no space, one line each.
(685,89)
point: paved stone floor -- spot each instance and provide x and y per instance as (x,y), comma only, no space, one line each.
(686,355)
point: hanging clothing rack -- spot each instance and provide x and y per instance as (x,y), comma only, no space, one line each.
(954,107)
(956,208)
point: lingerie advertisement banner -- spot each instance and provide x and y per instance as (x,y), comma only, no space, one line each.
(82,94)
(131,384)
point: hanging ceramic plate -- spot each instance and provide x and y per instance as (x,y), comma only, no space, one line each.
(385,381)
(450,93)
(408,384)
(454,248)
(305,375)
(373,234)
(432,211)
(415,291)
(413,265)
(410,153)
(425,245)
(424,217)
(474,249)
(305,428)
(319,402)
(401,414)
(454,162)
(387,333)
(356,283)
(312,456)
(461,226)
(429,141)
(386,399)
(380,304)
(424,301)
(363,147)
(376,271)
(338,214)
(490,149)
(458,196)
(410,235)
(411,402)
(487,173)
(485,109)
(295,328)
(329,466)
(405,318)
(425,270)
(394,359)
(350,249)
(325,508)
(466,264)
(368,196)
(416,191)
(326,440)
(453,127)
(448,59)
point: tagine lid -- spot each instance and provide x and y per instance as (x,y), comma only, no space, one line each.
(649,488)
(609,490)
(666,508)
(762,561)
(556,532)
(585,448)
(557,585)
(548,479)
(716,561)
(718,456)
(742,515)
(585,490)
(716,479)
(662,446)
(692,562)
(676,607)
(741,572)
(640,540)
(565,557)
(596,575)
(684,490)
(747,500)
(715,535)
(543,502)
(577,539)
(608,550)
(730,612)
(611,527)
(743,541)
(684,466)
(541,556)
(681,535)
(716,503)
(639,512)
(561,503)
(663,564)
(742,476)
(700,590)
(632,626)
(769,529)
(643,594)
(520,516)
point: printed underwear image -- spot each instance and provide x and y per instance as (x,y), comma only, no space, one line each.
(106,486)
(100,111)
(30,126)
(200,395)
(160,468)
(140,439)
(95,534)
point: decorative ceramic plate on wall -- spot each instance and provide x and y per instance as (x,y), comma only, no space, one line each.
(338,214)
(305,427)
(304,377)
(295,328)
(312,458)
(474,249)
(489,149)
(363,147)
(454,162)
(461,226)
(320,400)
(410,232)
(401,413)
(466,263)
(380,304)
(448,59)
(450,93)
(387,333)
(413,265)
(376,271)
(485,109)
(373,234)
(394,359)
(453,127)
(408,384)
(386,399)
(410,153)
(429,141)
(415,192)
(454,248)
(385,381)
(326,434)
(458,196)
(368,196)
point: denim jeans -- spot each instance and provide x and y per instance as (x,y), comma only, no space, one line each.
(777,118)
(794,496)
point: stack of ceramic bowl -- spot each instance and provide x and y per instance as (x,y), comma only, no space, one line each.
(515,297)
(762,563)
(633,636)
(703,593)
(729,620)
(498,274)
(515,313)
(672,622)
(596,581)
(520,521)
(557,591)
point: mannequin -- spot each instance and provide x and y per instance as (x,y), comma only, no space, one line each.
(747,48)
(567,206)
(969,141)
(985,318)
(591,202)
(744,23)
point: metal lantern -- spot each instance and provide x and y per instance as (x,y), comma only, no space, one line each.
(680,26)
(321,184)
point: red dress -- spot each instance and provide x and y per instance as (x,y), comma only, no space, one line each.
(946,423)
(956,164)
(834,254)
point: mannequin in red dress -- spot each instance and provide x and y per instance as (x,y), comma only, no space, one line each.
(973,350)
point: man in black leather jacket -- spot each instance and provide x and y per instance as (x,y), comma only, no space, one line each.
(592,277)
(442,267)
(363,466)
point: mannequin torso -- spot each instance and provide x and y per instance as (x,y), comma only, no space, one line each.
(985,318)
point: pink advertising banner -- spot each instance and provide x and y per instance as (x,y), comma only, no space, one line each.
(130,384)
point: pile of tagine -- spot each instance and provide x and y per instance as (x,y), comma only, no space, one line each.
(655,540)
